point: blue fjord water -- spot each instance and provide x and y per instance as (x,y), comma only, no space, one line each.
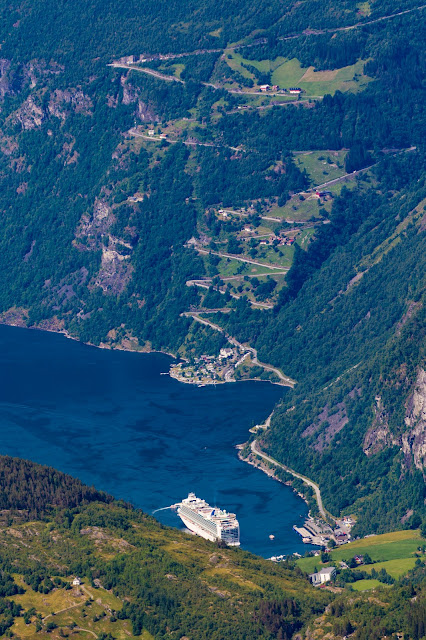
(110,419)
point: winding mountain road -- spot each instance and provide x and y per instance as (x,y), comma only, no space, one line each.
(285,380)
(255,43)
(231,256)
(190,143)
(255,449)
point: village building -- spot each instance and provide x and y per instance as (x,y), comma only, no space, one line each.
(295,90)
(322,576)
(265,87)
(76,582)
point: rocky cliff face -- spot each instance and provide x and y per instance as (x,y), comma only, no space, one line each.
(5,84)
(379,436)
(31,114)
(144,112)
(414,440)
(326,425)
(92,234)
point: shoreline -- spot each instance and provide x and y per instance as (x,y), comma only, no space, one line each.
(141,350)
(106,347)
(270,472)
(316,529)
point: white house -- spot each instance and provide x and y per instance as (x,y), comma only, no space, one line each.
(324,575)
(76,582)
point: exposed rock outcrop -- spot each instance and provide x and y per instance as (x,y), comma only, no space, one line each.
(62,101)
(93,233)
(144,112)
(30,114)
(35,70)
(414,440)
(93,227)
(328,423)
(378,436)
(114,273)
(5,83)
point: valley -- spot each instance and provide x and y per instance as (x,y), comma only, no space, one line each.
(241,186)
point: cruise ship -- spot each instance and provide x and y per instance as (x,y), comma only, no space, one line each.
(209,522)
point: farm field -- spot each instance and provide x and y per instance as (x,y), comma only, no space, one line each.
(392,551)
(301,208)
(318,83)
(388,546)
(289,73)
(396,568)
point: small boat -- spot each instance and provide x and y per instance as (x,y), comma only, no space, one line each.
(271,537)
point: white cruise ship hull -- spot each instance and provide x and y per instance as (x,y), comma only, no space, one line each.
(195,528)
(209,522)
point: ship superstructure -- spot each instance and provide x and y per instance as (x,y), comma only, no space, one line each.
(209,522)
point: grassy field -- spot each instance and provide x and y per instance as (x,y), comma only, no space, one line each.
(54,601)
(388,546)
(84,609)
(395,568)
(364,8)
(318,83)
(289,73)
(396,550)
(265,66)
(322,166)
(365,585)
(301,210)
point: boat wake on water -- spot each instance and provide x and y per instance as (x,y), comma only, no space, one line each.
(172,506)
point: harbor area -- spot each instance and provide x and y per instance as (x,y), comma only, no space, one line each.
(316,531)
(210,369)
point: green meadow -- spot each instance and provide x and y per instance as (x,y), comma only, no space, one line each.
(391,551)
(289,73)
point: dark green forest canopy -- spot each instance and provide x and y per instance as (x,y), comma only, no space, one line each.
(80,33)
(34,489)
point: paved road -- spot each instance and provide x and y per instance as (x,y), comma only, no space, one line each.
(150,72)
(205,285)
(259,41)
(241,276)
(285,380)
(187,142)
(255,449)
(234,257)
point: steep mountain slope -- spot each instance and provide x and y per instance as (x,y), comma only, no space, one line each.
(148,580)
(114,180)
(109,571)
(354,338)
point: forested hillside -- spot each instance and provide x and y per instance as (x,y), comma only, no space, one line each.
(267,161)
(109,571)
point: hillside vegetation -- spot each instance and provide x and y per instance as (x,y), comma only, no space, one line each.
(138,579)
